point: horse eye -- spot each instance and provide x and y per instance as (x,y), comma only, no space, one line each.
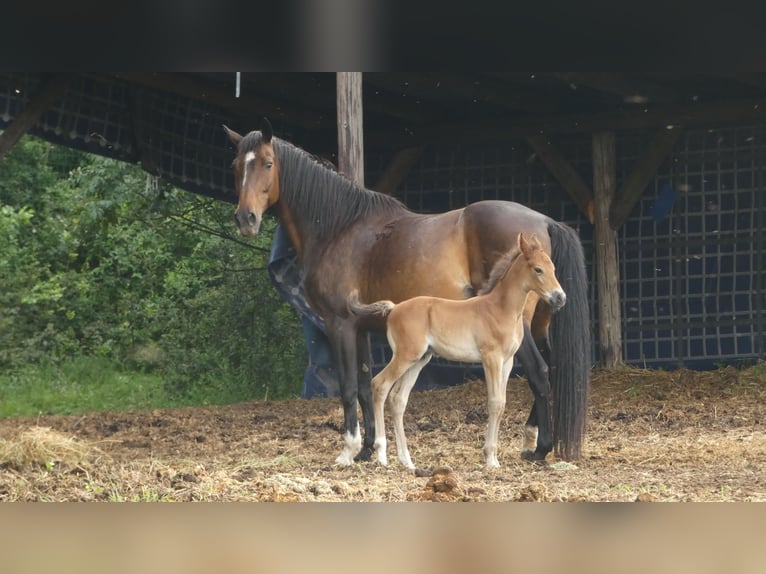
(269,164)
(538,271)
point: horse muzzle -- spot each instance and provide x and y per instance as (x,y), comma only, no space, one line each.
(556,300)
(248,222)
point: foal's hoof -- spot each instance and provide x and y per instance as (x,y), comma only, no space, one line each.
(365,455)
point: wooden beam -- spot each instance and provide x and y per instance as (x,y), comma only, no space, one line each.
(605,250)
(645,170)
(247,105)
(388,97)
(350,128)
(51,89)
(563,172)
(443,88)
(752,110)
(396,171)
(752,79)
(627,87)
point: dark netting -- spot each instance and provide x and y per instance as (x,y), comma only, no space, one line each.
(691,252)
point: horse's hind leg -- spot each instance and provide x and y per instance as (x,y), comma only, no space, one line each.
(399,397)
(364,374)
(538,440)
(381,386)
(343,341)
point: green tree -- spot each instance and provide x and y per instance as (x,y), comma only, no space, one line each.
(101,260)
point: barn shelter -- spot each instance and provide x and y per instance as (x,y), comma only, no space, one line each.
(661,174)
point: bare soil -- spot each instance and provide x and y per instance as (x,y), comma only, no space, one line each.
(652,436)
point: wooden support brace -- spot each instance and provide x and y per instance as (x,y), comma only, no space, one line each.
(51,89)
(564,173)
(396,171)
(646,169)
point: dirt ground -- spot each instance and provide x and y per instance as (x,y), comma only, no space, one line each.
(651,436)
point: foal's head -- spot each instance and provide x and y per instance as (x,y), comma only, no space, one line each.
(541,273)
(255,177)
(529,257)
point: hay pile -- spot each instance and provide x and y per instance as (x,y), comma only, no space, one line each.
(42,447)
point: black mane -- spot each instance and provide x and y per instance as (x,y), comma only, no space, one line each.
(323,199)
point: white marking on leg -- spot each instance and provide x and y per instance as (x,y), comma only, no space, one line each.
(352,446)
(405,460)
(398,406)
(249,157)
(380,450)
(529,439)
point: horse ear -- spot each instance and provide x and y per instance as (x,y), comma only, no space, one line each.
(267,130)
(523,245)
(233,136)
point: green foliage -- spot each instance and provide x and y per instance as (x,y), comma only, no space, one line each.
(99,260)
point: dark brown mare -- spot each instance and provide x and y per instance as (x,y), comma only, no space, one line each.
(487,328)
(348,238)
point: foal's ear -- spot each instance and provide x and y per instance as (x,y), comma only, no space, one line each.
(522,243)
(233,136)
(534,242)
(266,130)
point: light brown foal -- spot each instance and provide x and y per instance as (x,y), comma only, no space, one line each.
(487,328)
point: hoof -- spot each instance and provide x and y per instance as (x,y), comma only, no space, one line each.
(533,456)
(365,455)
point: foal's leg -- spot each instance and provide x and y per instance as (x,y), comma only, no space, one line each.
(507,367)
(538,440)
(399,397)
(493,373)
(381,386)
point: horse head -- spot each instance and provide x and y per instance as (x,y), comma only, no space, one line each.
(256,180)
(542,271)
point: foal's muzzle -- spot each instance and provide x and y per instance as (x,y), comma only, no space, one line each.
(248,222)
(557,299)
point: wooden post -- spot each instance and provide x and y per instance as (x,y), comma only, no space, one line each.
(350,134)
(605,249)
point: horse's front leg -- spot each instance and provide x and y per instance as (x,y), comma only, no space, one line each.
(364,376)
(493,373)
(538,440)
(343,340)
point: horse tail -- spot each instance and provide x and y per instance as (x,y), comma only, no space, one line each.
(382,308)
(570,342)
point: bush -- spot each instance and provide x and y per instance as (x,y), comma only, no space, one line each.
(104,262)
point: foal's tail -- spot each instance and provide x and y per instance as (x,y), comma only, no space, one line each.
(570,341)
(382,308)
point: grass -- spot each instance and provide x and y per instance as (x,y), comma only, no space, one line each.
(84,384)
(91,384)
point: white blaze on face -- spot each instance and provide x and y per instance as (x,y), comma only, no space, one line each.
(249,157)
